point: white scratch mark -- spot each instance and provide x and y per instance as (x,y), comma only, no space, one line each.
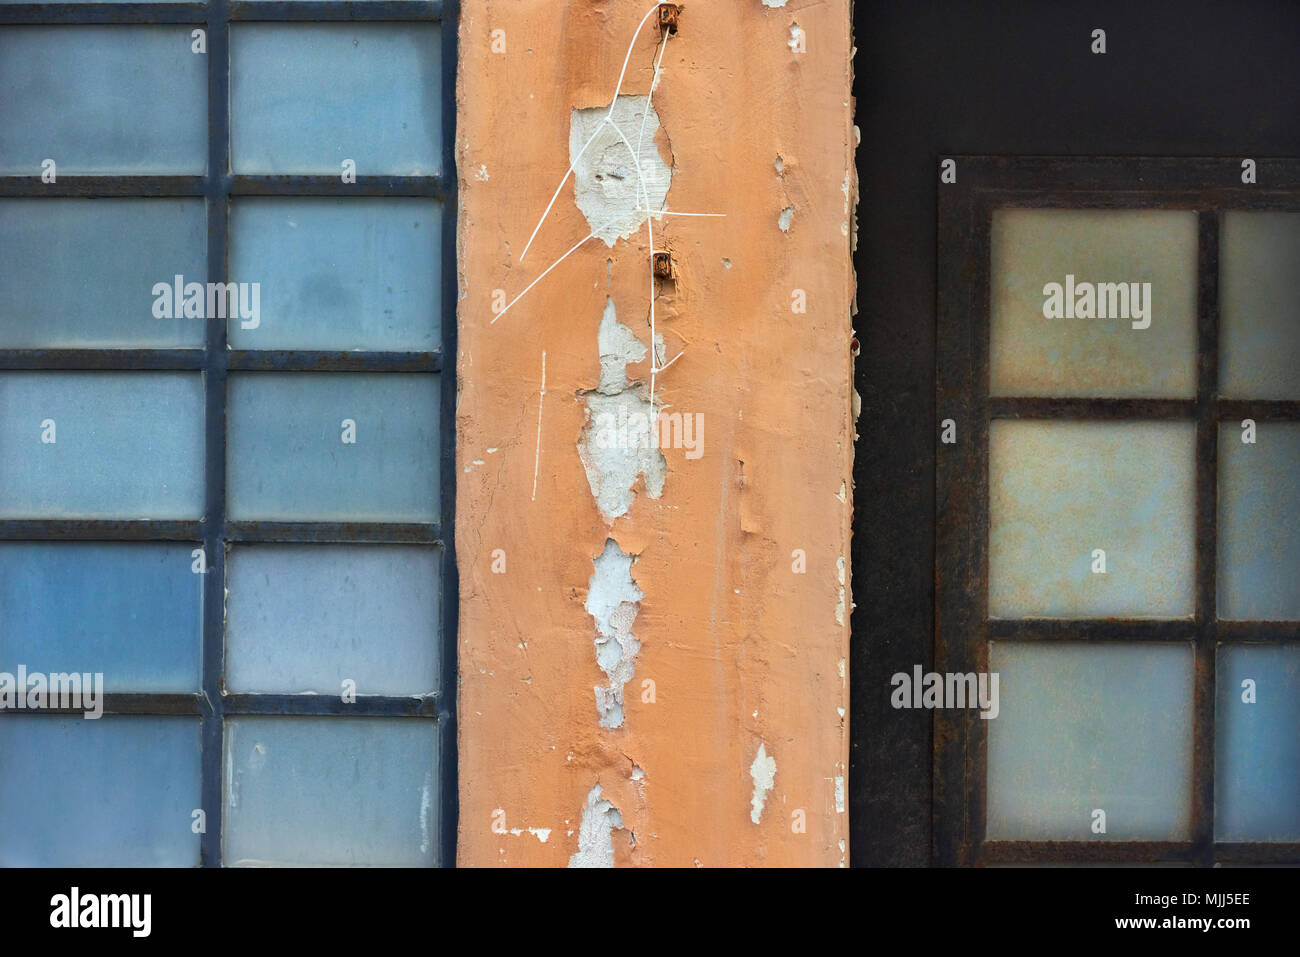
(537,457)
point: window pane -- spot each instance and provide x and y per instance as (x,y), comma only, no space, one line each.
(1079,250)
(130,611)
(1060,492)
(331,791)
(303,618)
(1085,727)
(116,791)
(1259,305)
(1257,748)
(1259,522)
(79,273)
(339,274)
(289,458)
(95,99)
(368,93)
(101,445)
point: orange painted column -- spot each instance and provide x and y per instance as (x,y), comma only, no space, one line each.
(654,601)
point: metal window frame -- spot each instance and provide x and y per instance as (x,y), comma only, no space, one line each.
(963,628)
(217,187)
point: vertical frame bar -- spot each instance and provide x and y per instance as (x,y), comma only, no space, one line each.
(1207,497)
(217,191)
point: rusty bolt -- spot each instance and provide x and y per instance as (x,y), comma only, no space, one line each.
(663,265)
(668,17)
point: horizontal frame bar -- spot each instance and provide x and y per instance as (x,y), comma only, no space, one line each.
(1081,852)
(99,530)
(159,704)
(1092,629)
(361,11)
(98,185)
(325,705)
(1233,632)
(101,360)
(242,184)
(1036,407)
(301,360)
(417,533)
(1264,410)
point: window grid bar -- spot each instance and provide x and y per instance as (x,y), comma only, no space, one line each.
(1207,499)
(257,703)
(214,384)
(109,186)
(367,11)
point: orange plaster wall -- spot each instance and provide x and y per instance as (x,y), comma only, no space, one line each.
(742,651)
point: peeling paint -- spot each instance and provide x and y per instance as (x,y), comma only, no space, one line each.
(620,174)
(763,771)
(613,599)
(784,220)
(596,832)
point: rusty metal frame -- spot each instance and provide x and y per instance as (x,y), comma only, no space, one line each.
(963,627)
(211,703)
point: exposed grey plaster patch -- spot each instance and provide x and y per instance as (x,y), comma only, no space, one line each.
(605,183)
(785,218)
(596,832)
(763,771)
(774,3)
(613,600)
(780,165)
(617,446)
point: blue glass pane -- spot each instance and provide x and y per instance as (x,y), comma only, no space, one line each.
(124,445)
(70,281)
(306,97)
(117,99)
(1060,493)
(116,791)
(331,791)
(1257,744)
(1259,305)
(339,275)
(1259,522)
(305,618)
(1085,727)
(130,611)
(289,459)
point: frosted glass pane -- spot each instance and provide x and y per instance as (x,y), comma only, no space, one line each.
(331,791)
(97,99)
(1257,744)
(79,273)
(131,611)
(1031,354)
(125,445)
(288,460)
(1085,727)
(339,274)
(305,97)
(303,618)
(118,791)
(1060,491)
(1259,305)
(1259,522)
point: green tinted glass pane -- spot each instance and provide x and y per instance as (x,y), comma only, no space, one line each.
(1085,727)
(68,280)
(1259,305)
(331,791)
(116,791)
(101,445)
(339,275)
(306,618)
(371,93)
(1062,493)
(1259,521)
(1257,744)
(1095,257)
(333,447)
(102,99)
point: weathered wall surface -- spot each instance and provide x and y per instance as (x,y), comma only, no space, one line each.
(679,643)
